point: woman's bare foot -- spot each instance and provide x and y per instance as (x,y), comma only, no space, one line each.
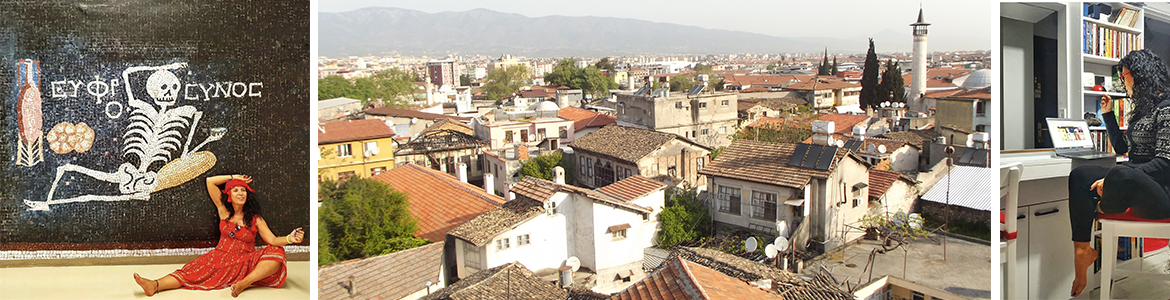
(1084,257)
(238,288)
(148,286)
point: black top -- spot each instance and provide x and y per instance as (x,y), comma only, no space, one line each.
(1147,141)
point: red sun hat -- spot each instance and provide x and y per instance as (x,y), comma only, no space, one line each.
(227,187)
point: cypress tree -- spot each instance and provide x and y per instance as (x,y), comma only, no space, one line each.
(869,79)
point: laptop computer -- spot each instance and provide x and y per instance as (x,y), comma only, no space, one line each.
(1071,139)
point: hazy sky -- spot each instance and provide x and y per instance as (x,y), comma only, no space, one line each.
(955,25)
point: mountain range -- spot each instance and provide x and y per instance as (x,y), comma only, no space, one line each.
(383,30)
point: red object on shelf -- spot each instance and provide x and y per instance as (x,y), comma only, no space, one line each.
(1098,88)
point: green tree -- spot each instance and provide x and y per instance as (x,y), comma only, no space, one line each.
(824,68)
(893,87)
(869,79)
(595,83)
(833,71)
(392,86)
(605,64)
(503,82)
(703,68)
(794,132)
(681,83)
(542,166)
(363,218)
(564,73)
(683,219)
(464,80)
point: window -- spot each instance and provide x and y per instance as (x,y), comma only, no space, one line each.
(729,199)
(705,132)
(540,134)
(856,202)
(479,163)
(471,259)
(589,167)
(371,145)
(723,130)
(523,240)
(503,244)
(376,171)
(564,132)
(702,105)
(583,166)
(672,171)
(701,162)
(524,135)
(508,136)
(344,150)
(725,103)
(763,206)
(618,234)
(346,175)
(918,296)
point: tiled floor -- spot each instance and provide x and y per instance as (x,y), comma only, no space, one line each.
(1137,287)
(117,282)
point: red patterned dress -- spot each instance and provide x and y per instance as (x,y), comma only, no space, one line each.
(233,258)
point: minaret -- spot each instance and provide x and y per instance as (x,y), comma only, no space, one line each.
(918,78)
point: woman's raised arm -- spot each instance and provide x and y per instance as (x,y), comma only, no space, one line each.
(216,195)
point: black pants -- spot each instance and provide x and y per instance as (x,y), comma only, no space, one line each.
(1125,188)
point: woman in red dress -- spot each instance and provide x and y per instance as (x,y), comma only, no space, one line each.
(235,262)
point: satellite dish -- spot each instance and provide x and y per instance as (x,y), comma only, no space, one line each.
(870,148)
(916,221)
(375,149)
(881,148)
(770,251)
(750,244)
(413,120)
(782,228)
(531,137)
(781,243)
(900,218)
(573,262)
(970,143)
(840,143)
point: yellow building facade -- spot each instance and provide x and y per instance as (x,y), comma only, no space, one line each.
(354,148)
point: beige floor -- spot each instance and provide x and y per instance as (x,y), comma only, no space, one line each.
(117,282)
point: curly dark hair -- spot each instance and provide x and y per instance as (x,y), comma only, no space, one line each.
(251,207)
(1150,81)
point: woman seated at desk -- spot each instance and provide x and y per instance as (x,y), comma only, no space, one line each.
(1140,184)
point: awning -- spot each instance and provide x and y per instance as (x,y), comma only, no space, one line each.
(619,227)
(795,202)
(859,185)
(844,109)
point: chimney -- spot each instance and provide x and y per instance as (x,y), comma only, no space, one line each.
(980,139)
(461,172)
(521,152)
(559,175)
(489,183)
(859,133)
(666,89)
(508,195)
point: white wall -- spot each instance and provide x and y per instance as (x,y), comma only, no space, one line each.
(616,252)
(840,187)
(548,249)
(657,201)
(904,159)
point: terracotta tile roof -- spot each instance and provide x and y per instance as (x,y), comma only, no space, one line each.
(788,286)
(983,94)
(765,163)
(483,228)
(535,94)
(391,276)
(584,118)
(942,93)
(509,281)
(755,89)
(717,285)
(843,123)
(580,293)
(634,143)
(890,144)
(881,180)
(763,122)
(352,130)
(913,137)
(406,113)
(672,281)
(438,200)
(784,103)
(822,84)
(540,190)
(743,105)
(632,188)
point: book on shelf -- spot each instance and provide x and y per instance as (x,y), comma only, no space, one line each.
(1108,42)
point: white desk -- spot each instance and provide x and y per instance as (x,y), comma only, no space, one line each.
(1045,254)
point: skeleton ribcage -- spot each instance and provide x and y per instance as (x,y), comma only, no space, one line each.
(151,136)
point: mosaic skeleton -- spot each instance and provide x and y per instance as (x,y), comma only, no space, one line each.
(152,137)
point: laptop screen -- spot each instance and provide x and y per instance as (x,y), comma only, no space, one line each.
(1069,133)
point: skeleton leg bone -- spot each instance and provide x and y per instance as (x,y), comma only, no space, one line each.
(116,177)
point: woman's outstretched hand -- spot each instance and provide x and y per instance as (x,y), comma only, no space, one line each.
(243,177)
(1098,186)
(1106,104)
(296,236)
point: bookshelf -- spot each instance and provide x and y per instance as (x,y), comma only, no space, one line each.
(1103,42)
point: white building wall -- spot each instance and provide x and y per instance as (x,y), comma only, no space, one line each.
(613,252)
(657,201)
(904,159)
(899,197)
(840,188)
(580,221)
(548,248)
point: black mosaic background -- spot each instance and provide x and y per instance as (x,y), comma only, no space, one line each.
(267,137)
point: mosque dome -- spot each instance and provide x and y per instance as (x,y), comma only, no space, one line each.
(977,80)
(547,105)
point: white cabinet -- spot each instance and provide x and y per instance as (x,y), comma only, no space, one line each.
(1050,253)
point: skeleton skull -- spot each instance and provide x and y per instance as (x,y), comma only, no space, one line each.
(163,86)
